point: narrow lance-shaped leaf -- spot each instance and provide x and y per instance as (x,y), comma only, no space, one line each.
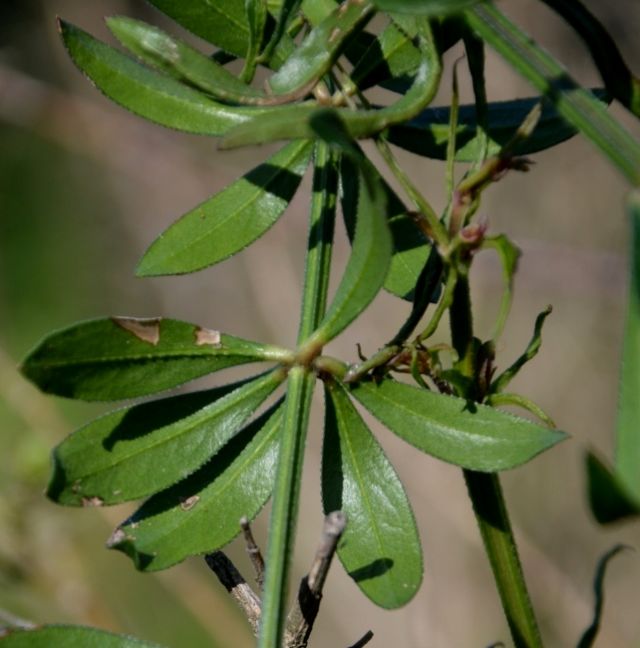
(232,219)
(315,55)
(201,513)
(137,451)
(425,7)
(463,433)
(295,122)
(578,106)
(380,548)
(410,248)
(150,94)
(627,430)
(369,261)
(428,133)
(125,357)
(221,22)
(615,494)
(71,637)
(181,61)
(284,510)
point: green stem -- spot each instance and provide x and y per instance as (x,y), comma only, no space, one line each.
(488,502)
(284,513)
(461,320)
(444,303)
(491,513)
(320,243)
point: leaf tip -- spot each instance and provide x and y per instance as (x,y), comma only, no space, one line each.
(609,499)
(122,540)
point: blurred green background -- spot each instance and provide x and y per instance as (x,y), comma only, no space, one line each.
(85,187)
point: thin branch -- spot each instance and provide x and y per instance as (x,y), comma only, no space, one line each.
(236,585)
(368,636)
(305,610)
(334,526)
(255,555)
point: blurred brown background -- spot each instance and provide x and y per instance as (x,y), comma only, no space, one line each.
(85,187)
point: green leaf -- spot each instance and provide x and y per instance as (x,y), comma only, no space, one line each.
(389,58)
(284,509)
(466,434)
(201,513)
(314,57)
(150,94)
(627,430)
(616,493)
(578,106)
(369,261)
(410,248)
(609,498)
(588,638)
(428,133)
(294,122)
(618,78)
(136,451)
(125,357)
(223,22)
(232,219)
(181,61)
(380,548)
(287,10)
(54,636)
(425,7)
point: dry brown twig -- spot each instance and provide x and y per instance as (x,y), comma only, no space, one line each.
(303,614)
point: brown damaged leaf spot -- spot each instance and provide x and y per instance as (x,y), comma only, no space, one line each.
(92,501)
(118,537)
(145,329)
(205,336)
(189,503)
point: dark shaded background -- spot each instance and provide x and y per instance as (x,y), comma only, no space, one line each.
(85,187)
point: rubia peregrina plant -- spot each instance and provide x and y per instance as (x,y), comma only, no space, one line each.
(207,459)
